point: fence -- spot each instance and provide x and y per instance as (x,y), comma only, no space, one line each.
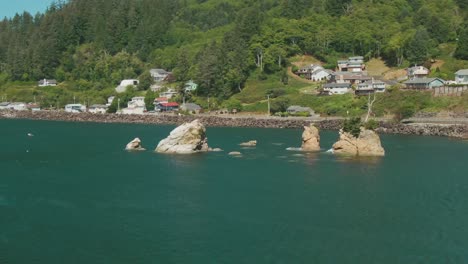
(450,90)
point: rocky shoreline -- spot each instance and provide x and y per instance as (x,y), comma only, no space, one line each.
(457,131)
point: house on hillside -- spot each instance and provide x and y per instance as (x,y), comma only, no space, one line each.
(336,88)
(135,107)
(18,106)
(461,76)
(168,94)
(47,82)
(306,71)
(349,77)
(417,72)
(424,83)
(159,75)
(190,86)
(33,107)
(126,83)
(320,75)
(370,87)
(352,64)
(75,108)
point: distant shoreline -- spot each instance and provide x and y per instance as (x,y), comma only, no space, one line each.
(333,123)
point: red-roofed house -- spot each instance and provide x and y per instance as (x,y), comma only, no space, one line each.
(161,100)
(166,107)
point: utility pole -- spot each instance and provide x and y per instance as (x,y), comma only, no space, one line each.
(268,104)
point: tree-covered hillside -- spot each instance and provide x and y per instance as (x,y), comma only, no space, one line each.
(219,43)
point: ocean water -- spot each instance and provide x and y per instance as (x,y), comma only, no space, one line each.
(71,194)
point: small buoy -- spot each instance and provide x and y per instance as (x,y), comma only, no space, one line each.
(30,135)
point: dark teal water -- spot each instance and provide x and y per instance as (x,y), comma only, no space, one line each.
(71,194)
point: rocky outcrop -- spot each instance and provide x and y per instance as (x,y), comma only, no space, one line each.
(310,139)
(134,145)
(251,143)
(188,138)
(367,144)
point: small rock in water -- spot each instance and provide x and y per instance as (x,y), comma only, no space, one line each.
(294,149)
(251,143)
(235,153)
(215,150)
(30,135)
(134,145)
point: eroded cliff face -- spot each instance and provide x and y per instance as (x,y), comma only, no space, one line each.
(310,139)
(367,144)
(188,138)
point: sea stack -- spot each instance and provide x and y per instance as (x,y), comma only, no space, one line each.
(310,139)
(366,144)
(188,138)
(134,145)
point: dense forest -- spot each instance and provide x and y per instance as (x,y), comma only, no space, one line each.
(219,43)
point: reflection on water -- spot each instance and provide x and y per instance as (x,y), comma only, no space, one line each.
(359,159)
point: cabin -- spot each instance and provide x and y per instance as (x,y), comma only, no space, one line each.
(417,72)
(306,71)
(190,86)
(161,100)
(336,88)
(461,76)
(167,107)
(18,106)
(33,107)
(424,83)
(159,75)
(75,108)
(126,83)
(46,82)
(98,109)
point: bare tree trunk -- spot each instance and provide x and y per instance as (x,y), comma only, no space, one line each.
(370,103)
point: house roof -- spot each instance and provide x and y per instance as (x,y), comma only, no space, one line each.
(423,81)
(4,104)
(161,99)
(98,106)
(337,85)
(171,104)
(462,72)
(159,71)
(50,81)
(190,107)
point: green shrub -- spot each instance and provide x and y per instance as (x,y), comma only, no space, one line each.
(371,124)
(352,126)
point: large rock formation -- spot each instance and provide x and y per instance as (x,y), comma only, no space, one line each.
(310,139)
(134,145)
(186,139)
(367,144)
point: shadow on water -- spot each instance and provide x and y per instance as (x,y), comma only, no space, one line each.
(371,160)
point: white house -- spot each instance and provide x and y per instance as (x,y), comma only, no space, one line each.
(370,87)
(320,75)
(168,94)
(190,86)
(18,106)
(337,88)
(98,109)
(75,108)
(46,82)
(135,107)
(33,107)
(4,105)
(126,83)
(461,76)
(353,64)
(159,75)
(110,100)
(424,83)
(417,72)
